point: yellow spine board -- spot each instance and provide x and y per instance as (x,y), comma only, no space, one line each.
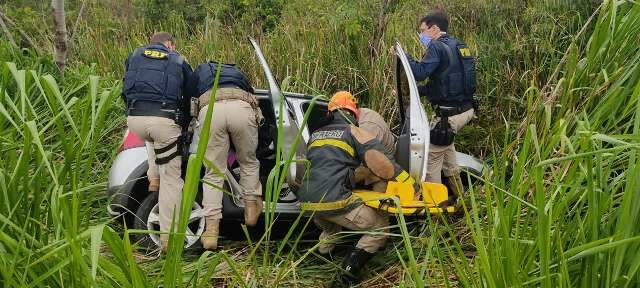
(433,194)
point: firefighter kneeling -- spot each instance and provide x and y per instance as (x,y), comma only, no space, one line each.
(335,151)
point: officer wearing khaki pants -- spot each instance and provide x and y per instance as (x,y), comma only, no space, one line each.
(235,120)
(155,93)
(443,157)
(450,67)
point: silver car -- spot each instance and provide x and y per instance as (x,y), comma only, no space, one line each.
(127,186)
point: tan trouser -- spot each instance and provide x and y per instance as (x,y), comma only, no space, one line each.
(443,158)
(152,172)
(163,132)
(234,121)
(363,218)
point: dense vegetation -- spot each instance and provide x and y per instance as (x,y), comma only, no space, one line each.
(559,125)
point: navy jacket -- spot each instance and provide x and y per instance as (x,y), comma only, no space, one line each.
(230,77)
(451,71)
(155,74)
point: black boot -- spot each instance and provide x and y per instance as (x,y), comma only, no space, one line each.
(455,189)
(351,267)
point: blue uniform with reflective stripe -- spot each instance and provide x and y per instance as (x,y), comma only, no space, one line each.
(451,71)
(334,153)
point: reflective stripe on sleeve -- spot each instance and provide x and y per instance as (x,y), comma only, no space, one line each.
(335,143)
(329,206)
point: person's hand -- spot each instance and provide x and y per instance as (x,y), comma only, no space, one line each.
(394,93)
(392,50)
(417,191)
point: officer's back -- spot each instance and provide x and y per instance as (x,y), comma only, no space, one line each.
(155,78)
(157,100)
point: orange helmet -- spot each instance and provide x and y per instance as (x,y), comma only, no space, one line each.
(344,100)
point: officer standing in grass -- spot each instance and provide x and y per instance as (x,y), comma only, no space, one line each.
(334,152)
(236,117)
(157,99)
(450,67)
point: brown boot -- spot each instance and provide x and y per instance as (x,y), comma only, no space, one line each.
(164,243)
(454,185)
(252,211)
(209,238)
(154,184)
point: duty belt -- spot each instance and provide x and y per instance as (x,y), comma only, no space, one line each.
(151,108)
(446,111)
(234,93)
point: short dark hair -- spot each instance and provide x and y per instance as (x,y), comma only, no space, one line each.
(438,18)
(161,37)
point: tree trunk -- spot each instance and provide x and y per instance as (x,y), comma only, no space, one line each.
(60,38)
(9,36)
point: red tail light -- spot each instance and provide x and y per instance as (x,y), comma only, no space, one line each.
(130,141)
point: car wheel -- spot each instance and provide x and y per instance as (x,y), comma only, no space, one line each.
(148,218)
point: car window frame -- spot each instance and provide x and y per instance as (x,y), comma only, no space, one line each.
(288,132)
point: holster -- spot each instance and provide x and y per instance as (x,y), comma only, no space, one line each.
(442,134)
(179,144)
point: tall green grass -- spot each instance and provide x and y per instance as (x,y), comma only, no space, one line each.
(51,172)
(559,208)
(324,46)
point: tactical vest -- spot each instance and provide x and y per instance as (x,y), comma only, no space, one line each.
(454,82)
(154,75)
(230,77)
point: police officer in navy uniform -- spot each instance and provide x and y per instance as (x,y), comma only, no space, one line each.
(235,121)
(450,67)
(157,99)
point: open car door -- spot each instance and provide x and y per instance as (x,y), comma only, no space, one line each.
(413,139)
(277,99)
(412,150)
